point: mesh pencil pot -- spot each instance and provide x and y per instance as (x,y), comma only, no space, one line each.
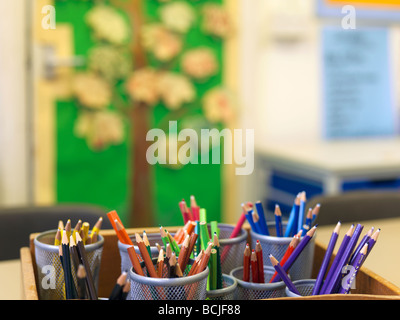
(231,249)
(256,291)
(183,288)
(277,246)
(228,291)
(304,287)
(50,273)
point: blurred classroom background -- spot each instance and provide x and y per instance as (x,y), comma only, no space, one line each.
(83,81)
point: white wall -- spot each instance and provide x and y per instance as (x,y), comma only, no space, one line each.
(13,134)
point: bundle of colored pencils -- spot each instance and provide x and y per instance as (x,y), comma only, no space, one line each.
(171,263)
(350,256)
(83,229)
(253,261)
(73,250)
(298,219)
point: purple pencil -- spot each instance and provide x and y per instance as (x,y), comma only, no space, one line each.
(358,262)
(297,251)
(327,258)
(335,262)
(373,240)
(334,281)
(282,273)
(364,240)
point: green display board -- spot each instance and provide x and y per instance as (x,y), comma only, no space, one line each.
(103,177)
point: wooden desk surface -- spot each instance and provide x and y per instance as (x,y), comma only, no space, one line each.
(10,280)
(384,258)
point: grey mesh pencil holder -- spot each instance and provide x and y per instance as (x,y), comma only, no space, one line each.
(277,246)
(255,291)
(228,291)
(183,288)
(233,257)
(50,272)
(304,287)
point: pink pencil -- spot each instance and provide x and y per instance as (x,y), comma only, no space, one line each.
(234,234)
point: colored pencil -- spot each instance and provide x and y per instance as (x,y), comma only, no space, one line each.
(116,292)
(97,227)
(297,251)
(262,220)
(292,245)
(249,217)
(121,233)
(260,261)
(204,235)
(254,267)
(246,263)
(160,263)
(356,265)
(133,257)
(184,253)
(315,212)
(278,221)
(195,208)
(69,284)
(57,239)
(363,241)
(205,259)
(339,254)
(145,256)
(81,282)
(172,265)
(83,258)
(126,289)
(283,275)
(327,258)
(291,227)
(195,264)
(301,220)
(234,234)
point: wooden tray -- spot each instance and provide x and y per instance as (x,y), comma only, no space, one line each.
(369,286)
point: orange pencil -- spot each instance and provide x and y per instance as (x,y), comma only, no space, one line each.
(160,264)
(204,260)
(196,262)
(135,260)
(122,234)
(146,257)
(182,258)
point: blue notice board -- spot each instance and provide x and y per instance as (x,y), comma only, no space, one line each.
(357,83)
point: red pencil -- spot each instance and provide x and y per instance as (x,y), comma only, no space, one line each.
(195,209)
(260,260)
(254,267)
(292,245)
(246,263)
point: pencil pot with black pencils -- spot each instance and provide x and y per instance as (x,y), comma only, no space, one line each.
(50,270)
(279,246)
(185,287)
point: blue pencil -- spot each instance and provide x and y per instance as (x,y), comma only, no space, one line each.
(302,210)
(249,217)
(261,214)
(278,221)
(291,227)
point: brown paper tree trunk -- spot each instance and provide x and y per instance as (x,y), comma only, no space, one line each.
(141,198)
